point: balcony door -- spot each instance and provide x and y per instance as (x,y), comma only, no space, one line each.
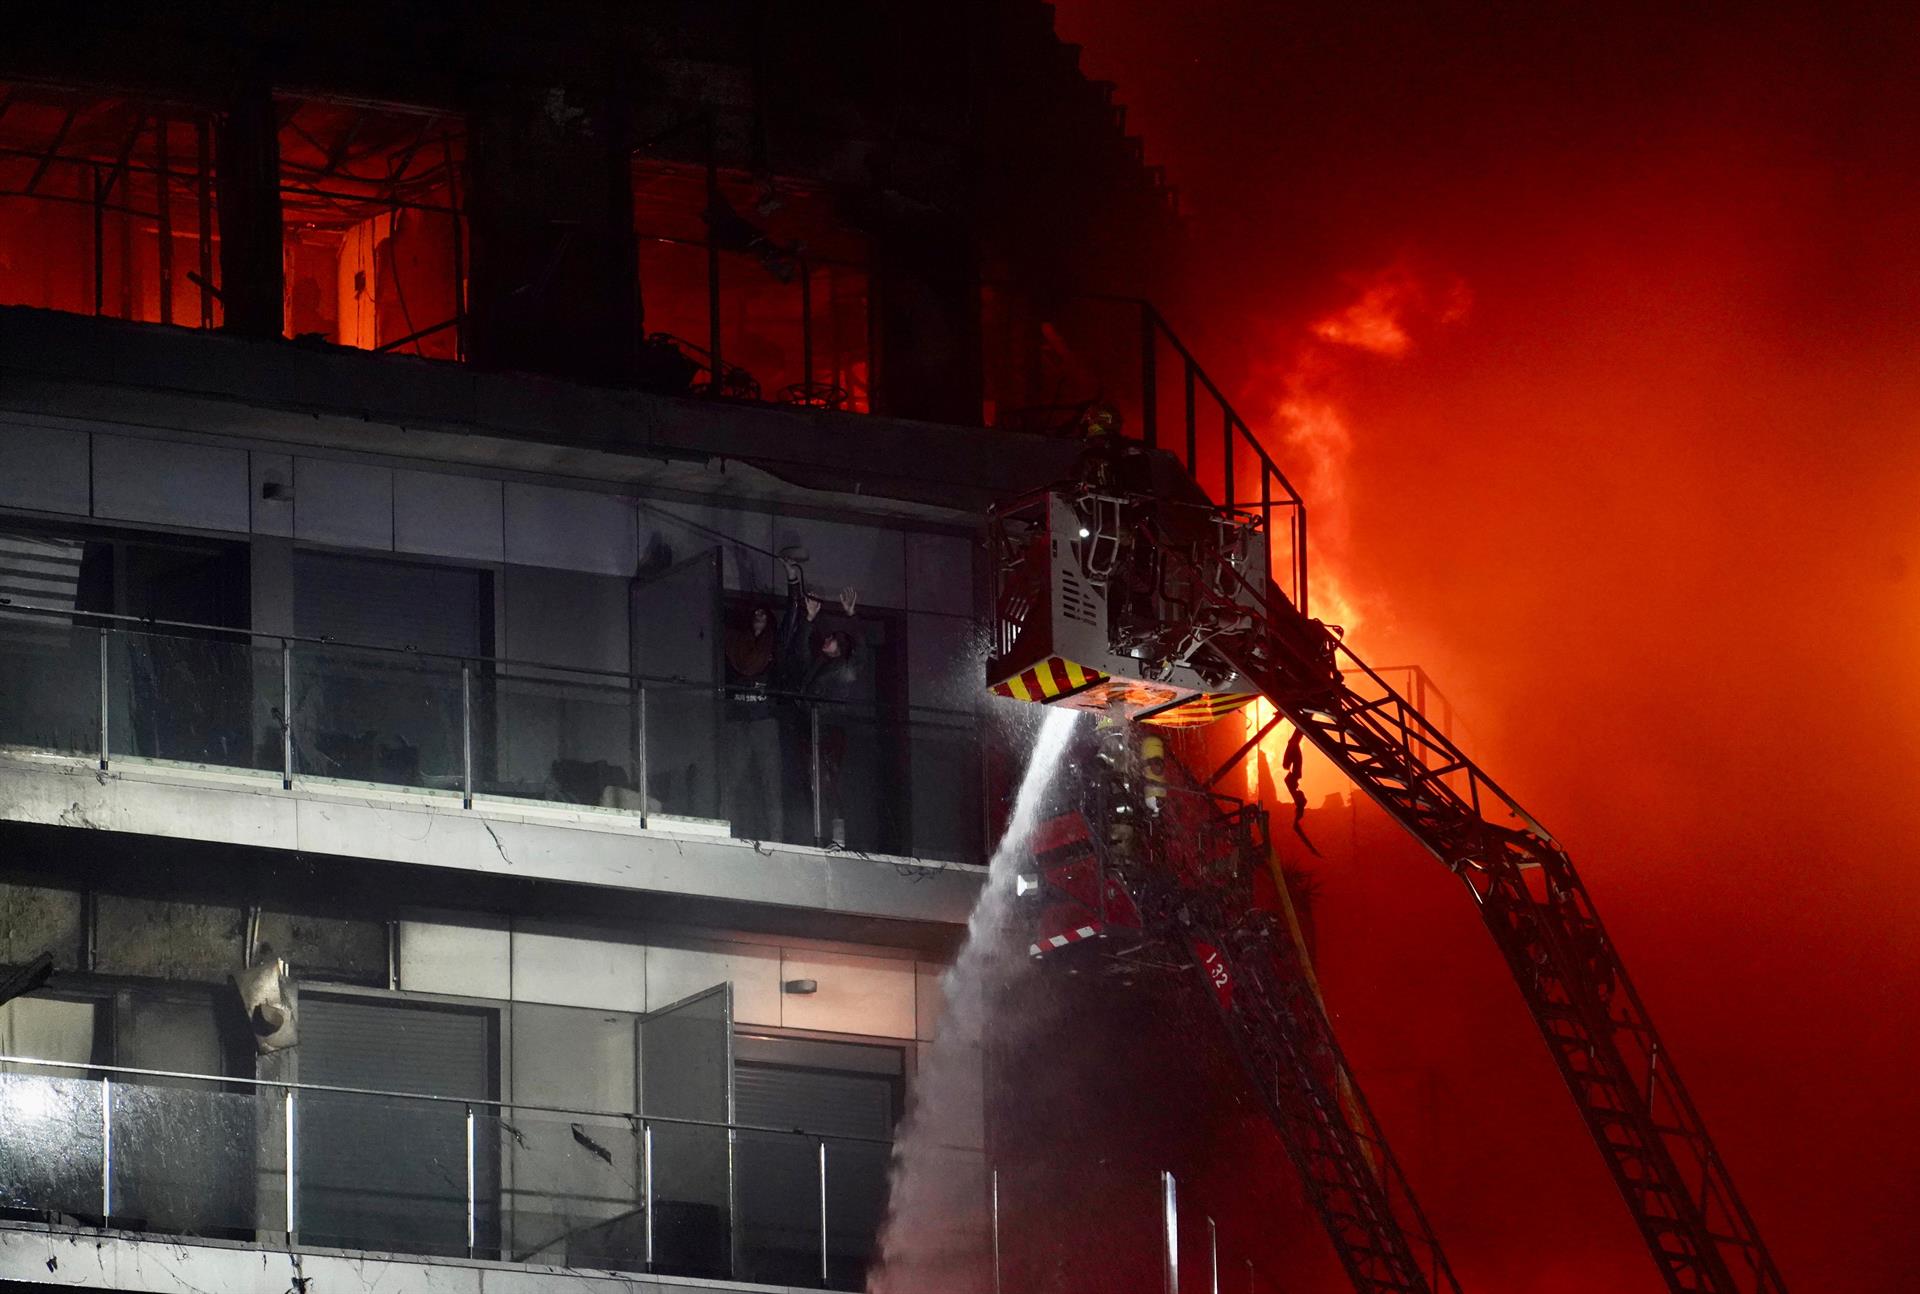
(676,638)
(388,1173)
(686,1072)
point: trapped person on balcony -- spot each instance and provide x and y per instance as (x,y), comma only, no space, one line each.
(814,674)
(753,749)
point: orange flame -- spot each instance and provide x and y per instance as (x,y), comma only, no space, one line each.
(1308,420)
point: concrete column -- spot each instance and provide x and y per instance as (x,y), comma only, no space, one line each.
(926,323)
(247,168)
(554,288)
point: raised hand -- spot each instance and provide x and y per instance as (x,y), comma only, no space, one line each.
(813,606)
(849,598)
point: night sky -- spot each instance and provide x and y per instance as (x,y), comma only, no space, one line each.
(1593,334)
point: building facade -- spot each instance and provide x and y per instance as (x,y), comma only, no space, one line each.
(406,422)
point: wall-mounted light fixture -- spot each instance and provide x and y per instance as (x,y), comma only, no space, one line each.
(801,986)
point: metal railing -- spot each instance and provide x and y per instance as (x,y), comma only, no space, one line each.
(1191,419)
(903,780)
(288,1163)
(1119,354)
(329,1166)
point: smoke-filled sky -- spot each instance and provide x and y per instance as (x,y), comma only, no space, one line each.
(1626,455)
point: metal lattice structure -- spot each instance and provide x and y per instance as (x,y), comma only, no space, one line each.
(1619,1071)
(1173,598)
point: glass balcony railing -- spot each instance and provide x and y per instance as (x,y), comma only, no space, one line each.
(337,1168)
(895,780)
(291,1164)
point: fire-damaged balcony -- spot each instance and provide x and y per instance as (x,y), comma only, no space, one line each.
(674,785)
(245,1182)
(232,1164)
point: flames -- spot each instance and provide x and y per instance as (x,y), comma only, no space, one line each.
(1309,429)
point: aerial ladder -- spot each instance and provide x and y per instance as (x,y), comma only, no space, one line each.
(1153,871)
(1146,605)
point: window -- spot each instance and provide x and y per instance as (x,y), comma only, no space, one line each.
(106,207)
(850,1093)
(183,694)
(791,283)
(392,717)
(374,230)
(383,1173)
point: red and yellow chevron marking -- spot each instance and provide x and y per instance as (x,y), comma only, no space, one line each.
(1202,709)
(1048,681)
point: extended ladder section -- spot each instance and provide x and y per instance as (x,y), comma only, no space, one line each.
(1155,863)
(1532,902)
(1264,990)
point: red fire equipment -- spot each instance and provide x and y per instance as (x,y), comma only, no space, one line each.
(1121,601)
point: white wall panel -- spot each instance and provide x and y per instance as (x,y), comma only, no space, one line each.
(930,999)
(873,995)
(943,662)
(575,530)
(271,516)
(556,964)
(674,972)
(44,469)
(574,1057)
(867,558)
(744,538)
(939,573)
(565,618)
(164,482)
(448,516)
(465,959)
(348,504)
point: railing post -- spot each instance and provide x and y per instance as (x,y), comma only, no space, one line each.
(1226,452)
(995,1208)
(106,1151)
(646,1187)
(293,1216)
(1266,525)
(472,1198)
(103,697)
(1149,386)
(823,1213)
(640,753)
(1300,554)
(813,725)
(466,735)
(286,715)
(1213,1256)
(1170,1231)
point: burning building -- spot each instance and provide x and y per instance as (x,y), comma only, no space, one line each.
(494,759)
(438,865)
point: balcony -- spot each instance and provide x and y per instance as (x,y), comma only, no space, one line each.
(301,1166)
(491,765)
(362,1184)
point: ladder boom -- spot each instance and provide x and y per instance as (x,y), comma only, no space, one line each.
(1576,986)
